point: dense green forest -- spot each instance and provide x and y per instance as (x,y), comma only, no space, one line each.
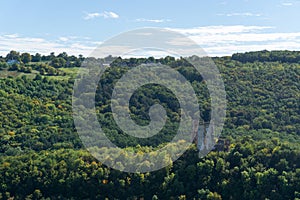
(42,157)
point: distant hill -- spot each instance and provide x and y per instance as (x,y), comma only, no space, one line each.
(268,56)
(42,157)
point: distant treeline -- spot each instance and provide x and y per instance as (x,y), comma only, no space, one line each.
(268,56)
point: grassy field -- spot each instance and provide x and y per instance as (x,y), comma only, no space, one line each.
(5,73)
(70,73)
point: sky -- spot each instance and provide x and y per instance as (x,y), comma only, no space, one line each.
(220,27)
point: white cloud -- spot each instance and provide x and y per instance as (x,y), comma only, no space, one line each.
(64,39)
(110,14)
(105,14)
(244,14)
(91,16)
(212,30)
(148,53)
(152,20)
(225,40)
(286,4)
(40,45)
(11,35)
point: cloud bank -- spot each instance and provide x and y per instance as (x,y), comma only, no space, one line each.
(215,40)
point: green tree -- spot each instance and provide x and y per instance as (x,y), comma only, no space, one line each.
(25,58)
(13,55)
(3,65)
(58,62)
(37,57)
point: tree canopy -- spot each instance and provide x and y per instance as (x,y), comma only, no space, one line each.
(42,157)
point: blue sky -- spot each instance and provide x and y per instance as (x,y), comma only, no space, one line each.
(220,27)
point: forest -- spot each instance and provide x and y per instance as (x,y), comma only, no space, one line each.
(42,156)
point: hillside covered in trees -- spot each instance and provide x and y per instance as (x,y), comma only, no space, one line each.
(42,157)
